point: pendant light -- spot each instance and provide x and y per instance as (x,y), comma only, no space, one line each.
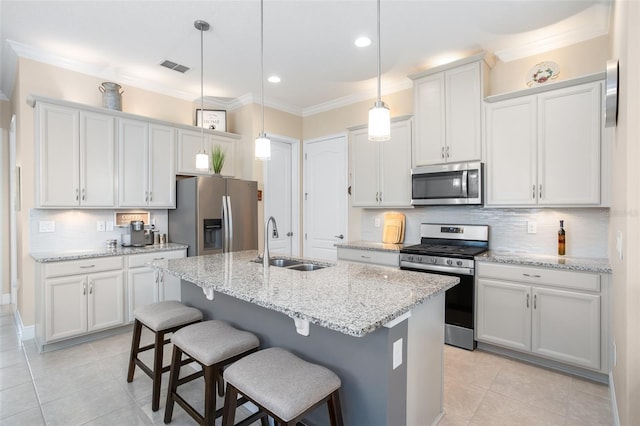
(202,158)
(263,144)
(379,115)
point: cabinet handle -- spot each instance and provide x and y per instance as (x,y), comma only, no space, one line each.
(541,191)
(380,196)
(527,301)
(83,194)
(532,276)
(146,196)
(533,193)
(377,200)
(365,257)
(535,299)
(158,258)
(442,153)
(150,196)
(77,194)
(91,287)
(447,151)
(84,289)
(87,266)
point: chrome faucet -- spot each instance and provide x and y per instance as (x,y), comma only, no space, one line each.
(266,261)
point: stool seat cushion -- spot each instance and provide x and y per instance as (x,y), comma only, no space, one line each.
(210,342)
(281,382)
(165,315)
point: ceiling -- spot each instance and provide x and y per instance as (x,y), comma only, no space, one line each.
(308,43)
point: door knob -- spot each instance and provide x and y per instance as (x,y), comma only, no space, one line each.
(339,236)
(289,234)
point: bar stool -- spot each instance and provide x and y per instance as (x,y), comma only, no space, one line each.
(281,385)
(161,318)
(212,344)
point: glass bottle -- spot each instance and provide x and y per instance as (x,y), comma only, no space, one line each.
(561,239)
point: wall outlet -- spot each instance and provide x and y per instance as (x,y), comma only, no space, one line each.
(376,222)
(532,227)
(109,225)
(397,353)
(47,226)
(101,226)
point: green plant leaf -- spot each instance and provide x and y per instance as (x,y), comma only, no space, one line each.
(217,159)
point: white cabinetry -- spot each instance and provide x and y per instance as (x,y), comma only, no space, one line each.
(554,314)
(544,149)
(75,157)
(374,257)
(448,106)
(147,285)
(146,157)
(190,143)
(381,171)
(81,297)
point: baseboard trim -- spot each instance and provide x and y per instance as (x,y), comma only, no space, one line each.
(614,403)
(26,332)
(6,299)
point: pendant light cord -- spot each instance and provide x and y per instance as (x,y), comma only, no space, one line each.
(262,61)
(379,77)
(202,85)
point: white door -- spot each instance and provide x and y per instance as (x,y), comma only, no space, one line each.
(13,208)
(105,305)
(143,288)
(133,172)
(65,306)
(281,188)
(325,196)
(162,176)
(395,166)
(463,105)
(429,144)
(365,169)
(97,160)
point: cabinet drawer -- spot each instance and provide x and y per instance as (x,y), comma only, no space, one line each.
(83,266)
(139,260)
(542,276)
(383,258)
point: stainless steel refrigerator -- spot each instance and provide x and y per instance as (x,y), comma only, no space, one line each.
(215,215)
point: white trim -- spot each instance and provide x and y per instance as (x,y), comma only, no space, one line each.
(397,320)
(614,403)
(25,332)
(6,299)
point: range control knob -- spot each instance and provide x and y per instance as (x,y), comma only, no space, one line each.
(434,260)
(419,259)
(459,263)
(449,262)
(410,258)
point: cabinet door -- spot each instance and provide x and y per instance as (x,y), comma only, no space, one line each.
(566,326)
(97,160)
(161,158)
(429,143)
(395,167)
(569,126)
(143,288)
(133,137)
(463,101)
(503,314)
(189,145)
(65,307)
(510,169)
(106,300)
(170,287)
(58,156)
(228,147)
(365,188)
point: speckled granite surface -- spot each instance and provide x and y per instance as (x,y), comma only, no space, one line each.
(370,245)
(103,252)
(353,299)
(584,264)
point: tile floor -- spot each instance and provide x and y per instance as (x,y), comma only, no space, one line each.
(86,385)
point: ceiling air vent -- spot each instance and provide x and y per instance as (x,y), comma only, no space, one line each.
(174,66)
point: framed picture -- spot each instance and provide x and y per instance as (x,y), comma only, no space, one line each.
(213,119)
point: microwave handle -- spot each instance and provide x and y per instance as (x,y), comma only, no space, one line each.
(465,191)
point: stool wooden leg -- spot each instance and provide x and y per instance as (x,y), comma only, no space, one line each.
(335,411)
(157,370)
(173,383)
(220,383)
(210,380)
(230,402)
(135,344)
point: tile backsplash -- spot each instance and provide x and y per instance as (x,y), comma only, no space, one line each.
(586,228)
(77,229)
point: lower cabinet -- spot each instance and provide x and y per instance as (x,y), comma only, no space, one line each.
(147,285)
(559,315)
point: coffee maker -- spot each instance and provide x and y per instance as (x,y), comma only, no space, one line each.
(135,234)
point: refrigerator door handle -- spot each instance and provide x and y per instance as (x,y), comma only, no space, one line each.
(225,226)
(230,222)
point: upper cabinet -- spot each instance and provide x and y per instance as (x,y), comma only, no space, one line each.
(75,157)
(545,148)
(381,171)
(190,143)
(448,113)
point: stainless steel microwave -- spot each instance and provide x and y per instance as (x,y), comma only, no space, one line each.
(456,183)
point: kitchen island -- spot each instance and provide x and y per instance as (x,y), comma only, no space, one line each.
(380,329)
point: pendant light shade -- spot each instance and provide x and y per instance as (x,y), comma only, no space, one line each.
(379,115)
(262,144)
(202,159)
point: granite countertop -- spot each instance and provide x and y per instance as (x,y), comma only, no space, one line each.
(58,256)
(353,299)
(583,264)
(371,245)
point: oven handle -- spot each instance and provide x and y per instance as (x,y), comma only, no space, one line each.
(437,268)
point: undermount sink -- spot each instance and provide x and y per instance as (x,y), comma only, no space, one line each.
(294,264)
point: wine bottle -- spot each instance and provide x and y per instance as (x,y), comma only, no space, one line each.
(561,239)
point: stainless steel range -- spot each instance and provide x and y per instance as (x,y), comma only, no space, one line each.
(449,250)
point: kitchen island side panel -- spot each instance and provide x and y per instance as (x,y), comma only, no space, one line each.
(372,392)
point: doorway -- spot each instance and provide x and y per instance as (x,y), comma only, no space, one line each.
(281,197)
(325,196)
(14,206)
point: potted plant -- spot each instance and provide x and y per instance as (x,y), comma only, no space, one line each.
(217,159)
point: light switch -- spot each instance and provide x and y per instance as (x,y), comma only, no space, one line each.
(376,222)
(47,226)
(101,226)
(397,353)
(109,225)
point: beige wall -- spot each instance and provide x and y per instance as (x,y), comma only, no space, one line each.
(5,274)
(624,213)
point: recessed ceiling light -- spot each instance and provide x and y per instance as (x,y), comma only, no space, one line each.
(362,41)
(273,79)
